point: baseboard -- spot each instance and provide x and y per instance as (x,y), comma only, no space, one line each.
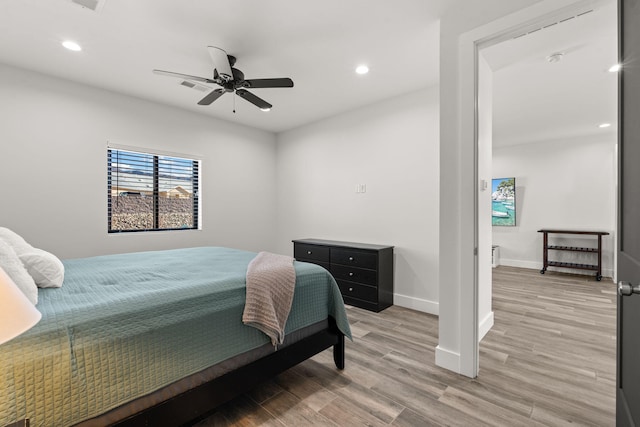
(534,265)
(537,265)
(485,326)
(418,304)
(451,360)
(447,359)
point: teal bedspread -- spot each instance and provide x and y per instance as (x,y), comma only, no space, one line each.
(123,326)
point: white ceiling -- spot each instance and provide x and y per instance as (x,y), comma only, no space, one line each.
(535,100)
(317,44)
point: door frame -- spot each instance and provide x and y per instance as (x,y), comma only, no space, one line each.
(530,18)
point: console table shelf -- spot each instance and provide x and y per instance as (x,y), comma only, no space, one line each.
(546,247)
(572,248)
(572,265)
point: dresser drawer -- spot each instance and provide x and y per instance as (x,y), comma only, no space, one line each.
(356,258)
(354,274)
(311,253)
(355,290)
(324,265)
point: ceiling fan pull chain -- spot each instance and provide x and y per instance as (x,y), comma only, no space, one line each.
(234,102)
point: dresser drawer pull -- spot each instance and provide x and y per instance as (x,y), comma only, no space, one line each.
(350,258)
(309,252)
(350,289)
(350,274)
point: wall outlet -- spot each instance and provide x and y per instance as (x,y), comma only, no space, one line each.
(361,188)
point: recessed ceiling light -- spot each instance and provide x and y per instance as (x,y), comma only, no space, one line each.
(604,125)
(555,57)
(615,68)
(265,109)
(71,45)
(362,69)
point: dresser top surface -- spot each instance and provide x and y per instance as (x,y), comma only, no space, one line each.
(336,243)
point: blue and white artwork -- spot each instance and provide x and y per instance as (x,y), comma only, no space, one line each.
(503,201)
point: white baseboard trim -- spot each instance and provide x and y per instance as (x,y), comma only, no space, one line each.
(534,265)
(451,360)
(537,265)
(447,359)
(485,326)
(418,304)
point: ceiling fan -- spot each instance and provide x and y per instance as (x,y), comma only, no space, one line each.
(231,79)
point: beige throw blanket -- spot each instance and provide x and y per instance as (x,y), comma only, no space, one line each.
(271,280)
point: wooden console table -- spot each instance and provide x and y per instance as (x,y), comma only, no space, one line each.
(596,251)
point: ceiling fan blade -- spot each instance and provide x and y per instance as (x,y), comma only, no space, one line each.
(212,96)
(263,83)
(258,102)
(183,76)
(221,62)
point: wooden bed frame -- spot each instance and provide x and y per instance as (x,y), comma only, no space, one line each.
(196,404)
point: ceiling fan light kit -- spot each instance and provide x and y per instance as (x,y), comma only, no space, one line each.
(231,80)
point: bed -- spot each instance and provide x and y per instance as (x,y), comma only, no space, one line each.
(156,338)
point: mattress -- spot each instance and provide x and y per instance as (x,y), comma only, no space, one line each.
(123,326)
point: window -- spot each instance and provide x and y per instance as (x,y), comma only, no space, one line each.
(150,192)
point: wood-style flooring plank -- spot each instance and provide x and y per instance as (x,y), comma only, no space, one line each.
(549,360)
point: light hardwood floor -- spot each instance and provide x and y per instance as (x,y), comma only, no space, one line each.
(549,360)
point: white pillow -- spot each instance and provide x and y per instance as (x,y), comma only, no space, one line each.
(11,264)
(45,268)
(15,241)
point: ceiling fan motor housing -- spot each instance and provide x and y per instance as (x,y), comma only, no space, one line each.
(230,85)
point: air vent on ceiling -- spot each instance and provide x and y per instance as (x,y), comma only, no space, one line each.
(195,86)
(95,5)
(568,18)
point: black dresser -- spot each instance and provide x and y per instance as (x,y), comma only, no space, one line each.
(364,272)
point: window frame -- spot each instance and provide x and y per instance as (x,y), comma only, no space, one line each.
(155,180)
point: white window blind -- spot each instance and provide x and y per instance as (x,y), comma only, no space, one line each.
(149,192)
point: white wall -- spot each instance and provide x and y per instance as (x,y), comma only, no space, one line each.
(562,184)
(392,147)
(53,138)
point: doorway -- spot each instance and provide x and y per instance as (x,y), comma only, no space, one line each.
(554,110)
(542,97)
(458,346)
(552,126)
